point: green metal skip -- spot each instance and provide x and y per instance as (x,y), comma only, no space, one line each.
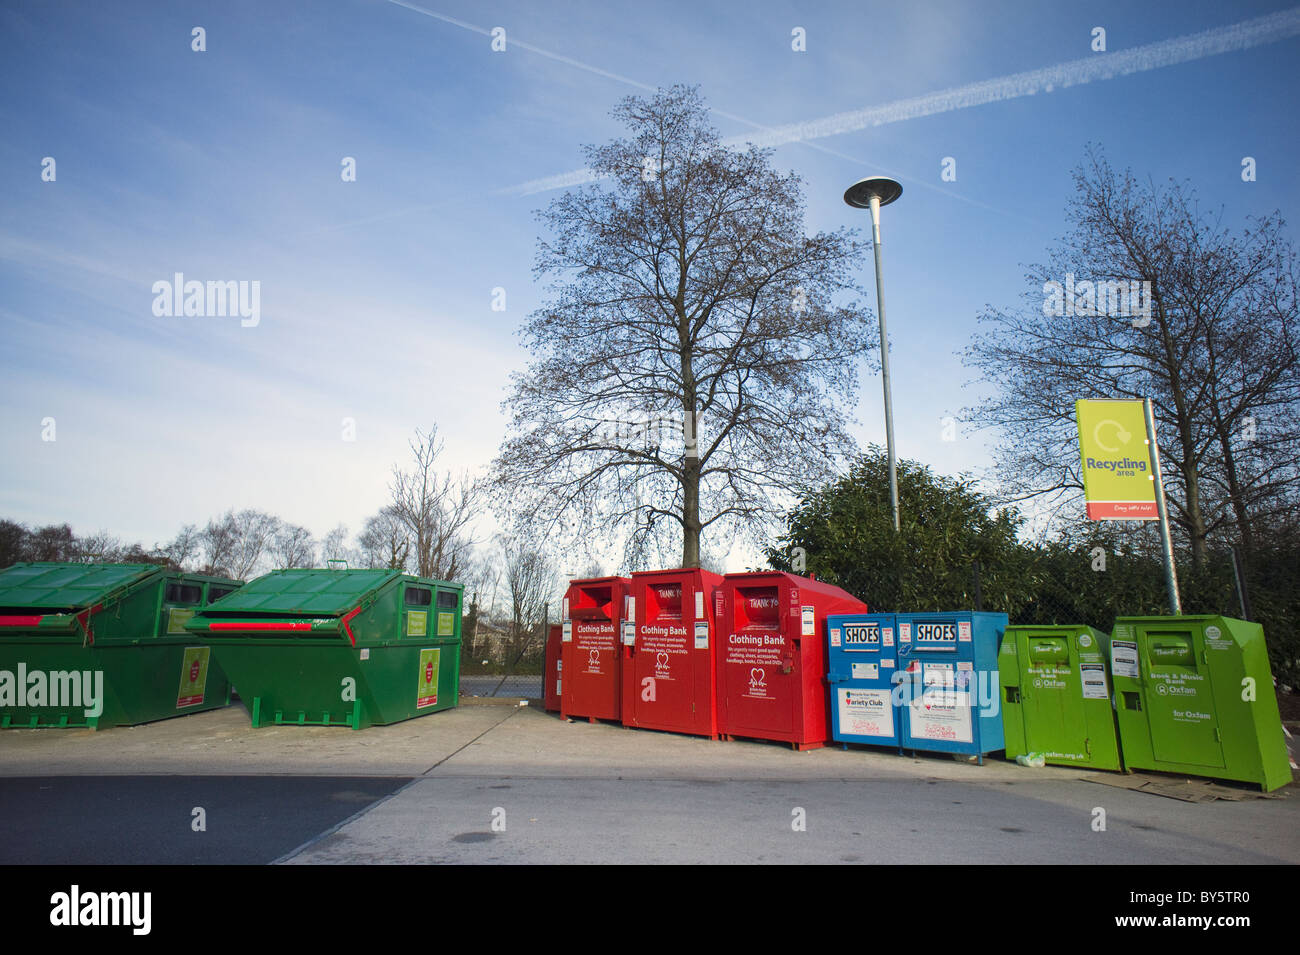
(338,647)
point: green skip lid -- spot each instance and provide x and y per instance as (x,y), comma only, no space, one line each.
(51,586)
(307,593)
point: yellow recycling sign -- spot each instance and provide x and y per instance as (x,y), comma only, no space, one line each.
(1117,480)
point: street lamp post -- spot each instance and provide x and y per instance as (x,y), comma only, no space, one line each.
(872,193)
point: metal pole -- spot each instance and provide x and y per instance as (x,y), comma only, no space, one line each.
(884,357)
(1171,573)
(1239,576)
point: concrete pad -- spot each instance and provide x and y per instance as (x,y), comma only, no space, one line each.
(535,743)
(223,742)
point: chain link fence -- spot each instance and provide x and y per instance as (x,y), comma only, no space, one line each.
(503,664)
(1094,585)
(508,686)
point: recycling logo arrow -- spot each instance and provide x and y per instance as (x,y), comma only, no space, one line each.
(1120,433)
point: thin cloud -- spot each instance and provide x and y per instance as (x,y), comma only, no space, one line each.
(581,177)
(558,57)
(1140,59)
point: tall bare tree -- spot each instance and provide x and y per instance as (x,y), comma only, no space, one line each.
(436,508)
(1150,297)
(692,365)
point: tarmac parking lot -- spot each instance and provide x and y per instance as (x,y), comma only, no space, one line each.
(503,783)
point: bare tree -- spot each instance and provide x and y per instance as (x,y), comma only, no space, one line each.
(531,584)
(334,546)
(292,546)
(54,542)
(1251,363)
(481,579)
(1212,345)
(182,550)
(99,548)
(436,509)
(385,542)
(236,543)
(692,367)
(217,543)
(13,542)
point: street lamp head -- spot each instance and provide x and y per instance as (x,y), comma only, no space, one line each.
(885,189)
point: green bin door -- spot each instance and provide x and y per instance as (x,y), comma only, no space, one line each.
(1180,698)
(1053,720)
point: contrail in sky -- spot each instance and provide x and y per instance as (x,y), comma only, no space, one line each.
(1099,66)
(582,176)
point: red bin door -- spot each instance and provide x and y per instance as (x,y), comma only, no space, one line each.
(665,661)
(760,665)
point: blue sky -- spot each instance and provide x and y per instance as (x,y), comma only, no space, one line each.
(376,294)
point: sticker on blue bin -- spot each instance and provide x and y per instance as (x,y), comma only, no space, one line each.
(941,714)
(864,712)
(938,674)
